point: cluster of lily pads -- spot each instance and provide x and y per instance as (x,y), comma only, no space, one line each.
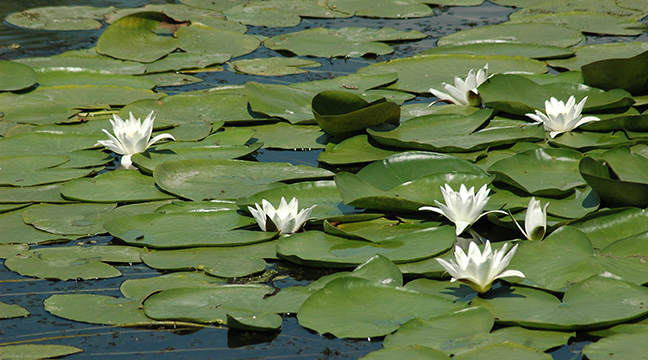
(199,208)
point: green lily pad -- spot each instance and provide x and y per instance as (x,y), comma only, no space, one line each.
(360,308)
(456,133)
(134,37)
(605,74)
(7,251)
(607,226)
(551,7)
(36,351)
(627,346)
(15,231)
(290,137)
(73,262)
(354,150)
(60,18)
(45,193)
(172,79)
(278,13)
(343,42)
(407,181)
(224,262)
(11,311)
(199,38)
(590,53)
(86,60)
(149,160)
(70,219)
(228,179)
(577,260)
(505,350)
(558,166)
(37,170)
(596,302)
(449,334)
(356,83)
(613,191)
(530,33)
(531,51)
(16,76)
(98,309)
(420,73)
(528,96)
(589,22)
(415,352)
(185,61)
(382,8)
(143,287)
(586,141)
(114,186)
(315,248)
(67,76)
(338,112)
(281,101)
(179,230)
(276,66)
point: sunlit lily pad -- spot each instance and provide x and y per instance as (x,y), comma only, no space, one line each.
(343,42)
(589,22)
(36,170)
(360,308)
(16,76)
(228,179)
(172,79)
(276,66)
(591,53)
(607,226)
(84,59)
(532,51)
(97,309)
(578,260)
(149,160)
(225,262)
(73,262)
(141,288)
(383,8)
(60,18)
(114,186)
(357,149)
(36,351)
(71,76)
(204,39)
(15,231)
(290,137)
(552,7)
(420,73)
(11,311)
(613,191)
(586,140)
(541,34)
(315,248)
(415,352)
(184,61)
(278,13)
(44,193)
(281,101)
(357,83)
(625,345)
(596,302)
(180,230)
(607,74)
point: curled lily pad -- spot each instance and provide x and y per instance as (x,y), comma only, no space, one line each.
(612,190)
(338,112)
(16,76)
(607,74)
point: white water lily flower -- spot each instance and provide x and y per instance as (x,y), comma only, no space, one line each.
(535,220)
(480,269)
(562,117)
(131,137)
(463,92)
(463,208)
(285,218)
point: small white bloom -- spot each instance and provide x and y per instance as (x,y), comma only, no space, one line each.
(535,220)
(463,92)
(131,137)
(285,218)
(463,208)
(477,269)
(562,117)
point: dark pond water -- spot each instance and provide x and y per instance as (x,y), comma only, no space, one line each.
(293,342)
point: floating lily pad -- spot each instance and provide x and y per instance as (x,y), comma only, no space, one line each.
(360,308)
(613,191)
(383,8)
(558,166)
(71,219)
(114,186)
(532,51)
(577,260)
(11,311)
(172,79)
(315,248)
(596,302)
(607,226)
(420,73)
(628,346)
(7,251)
(541,34)
(97,309)
(586,141)
(73,262)
(290,137)
(16,76)
(204,39)
(415,352)
(589,22)
(185,61)
(281,101)
(407,181)
(338,112)
(15,231)
(84,59)
(141,288)
(276,66)
(343,42)
(590,53)
(356,83)
(356,149)
(17,195)
(551,7)
(36,351)
(278,13)
(36,170)
(606,74)
(228,179)
(179,230)
(72,76)
(60,18)
(149,160)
